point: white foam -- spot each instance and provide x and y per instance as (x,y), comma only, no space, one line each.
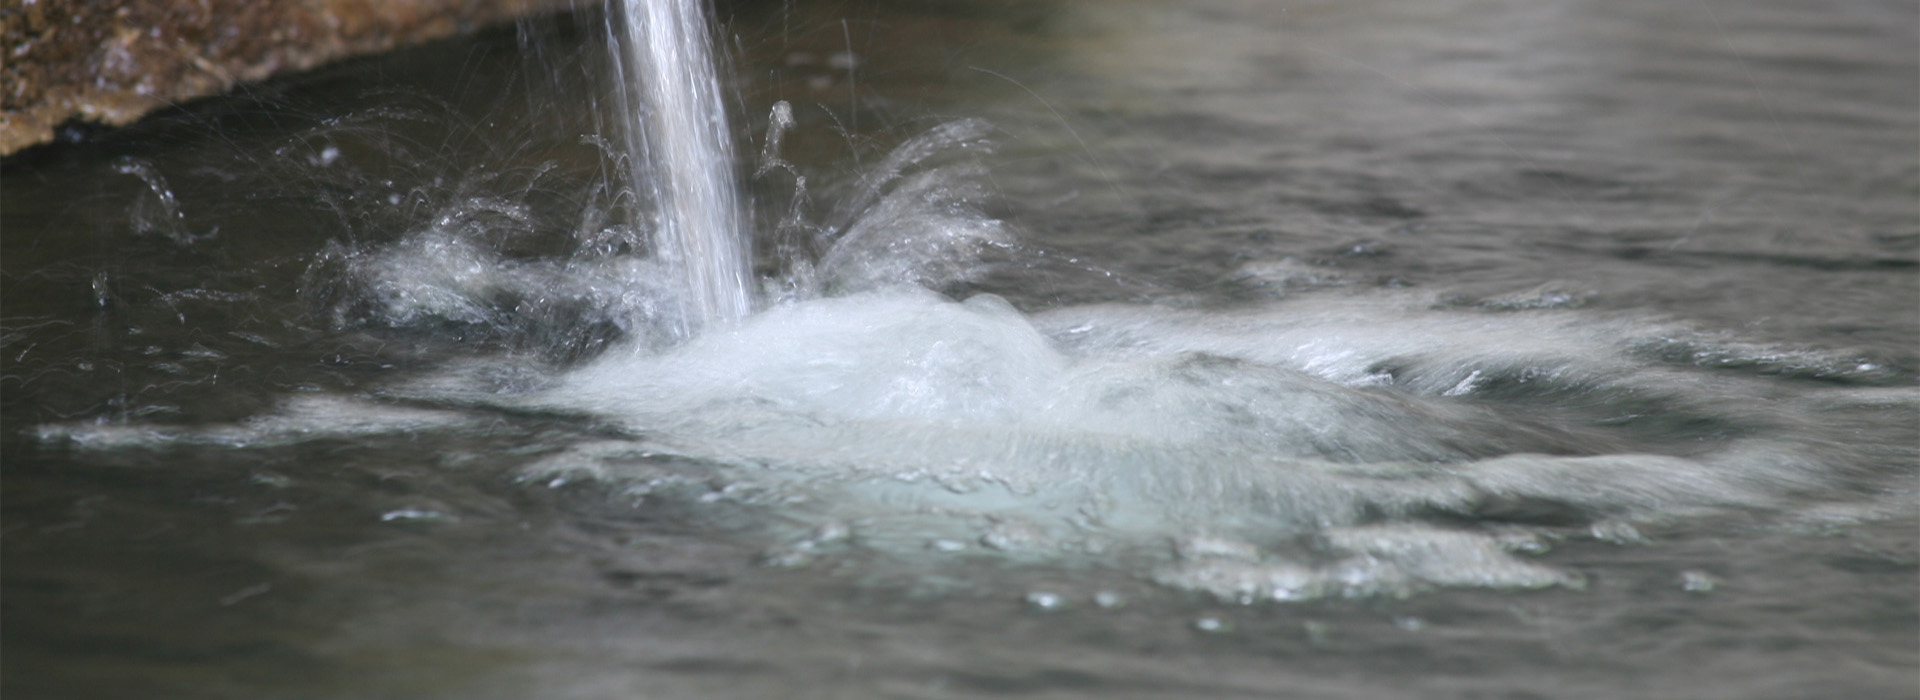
(1294,452)
(1080,430)
(299,418)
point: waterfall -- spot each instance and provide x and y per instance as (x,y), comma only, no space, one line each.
(680,153)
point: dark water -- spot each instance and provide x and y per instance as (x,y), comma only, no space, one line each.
(1467,349)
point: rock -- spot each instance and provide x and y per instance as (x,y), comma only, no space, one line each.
(112,61)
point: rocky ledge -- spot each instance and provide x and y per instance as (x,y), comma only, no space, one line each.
(112,61)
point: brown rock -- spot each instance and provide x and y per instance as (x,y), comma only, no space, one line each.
(111,61)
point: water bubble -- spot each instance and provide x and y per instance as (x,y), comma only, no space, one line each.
(830,533)
(789,557)
(245,593)
(1617,532)
(202,352)
(1046,600)
(272,480)
(1015,536)
(1213,624)
(1697,581)
(1525,541)
(102,292)
(1316,633)
(1206,547)
(414,515)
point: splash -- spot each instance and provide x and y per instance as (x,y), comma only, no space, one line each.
(1336,442)
(1344,443)
(1345,448)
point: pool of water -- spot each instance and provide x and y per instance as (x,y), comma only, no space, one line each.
(1107,349)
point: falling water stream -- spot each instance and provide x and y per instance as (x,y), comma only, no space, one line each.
(682,153)
(968,349)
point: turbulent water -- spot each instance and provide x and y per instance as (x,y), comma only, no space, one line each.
(1095,349)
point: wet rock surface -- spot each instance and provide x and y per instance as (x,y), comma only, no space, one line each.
(112,61)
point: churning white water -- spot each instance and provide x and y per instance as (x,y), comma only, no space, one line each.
(922,424)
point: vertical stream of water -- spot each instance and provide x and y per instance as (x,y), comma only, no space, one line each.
(680,154)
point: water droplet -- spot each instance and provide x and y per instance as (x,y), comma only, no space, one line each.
(1108,600)
(1409,623)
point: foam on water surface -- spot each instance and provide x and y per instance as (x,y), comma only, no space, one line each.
(1359,445)
(1211,422)
(1348,442)
(1334,442)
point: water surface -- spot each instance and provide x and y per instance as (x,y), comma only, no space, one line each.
(1109,350)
